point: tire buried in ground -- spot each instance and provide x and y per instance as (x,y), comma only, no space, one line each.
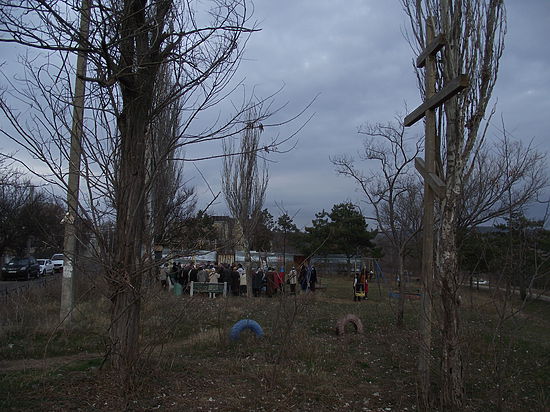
(349,318)
(243,324)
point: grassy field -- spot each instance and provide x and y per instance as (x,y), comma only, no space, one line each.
(189,363)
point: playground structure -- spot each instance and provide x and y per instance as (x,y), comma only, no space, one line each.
(372,265)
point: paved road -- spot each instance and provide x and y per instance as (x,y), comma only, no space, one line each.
(544,298)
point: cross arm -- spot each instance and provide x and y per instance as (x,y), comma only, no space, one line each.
(431,49)
(435,183)
(453,87)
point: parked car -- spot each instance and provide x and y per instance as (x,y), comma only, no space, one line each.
(21,268)
(57,261)
(46,266)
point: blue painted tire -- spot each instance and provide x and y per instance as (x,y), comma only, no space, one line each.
(243,324)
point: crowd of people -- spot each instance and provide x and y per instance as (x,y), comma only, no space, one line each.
(266,281)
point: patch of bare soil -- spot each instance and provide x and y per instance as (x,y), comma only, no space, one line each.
(45,363)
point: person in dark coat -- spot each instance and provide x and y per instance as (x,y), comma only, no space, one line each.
(219,271)
(257,282)
(174,273)
(303,277)
(226,274)
(312,278)
(202,275)
(235,281)
(193,273)
(184,275)
(271,282)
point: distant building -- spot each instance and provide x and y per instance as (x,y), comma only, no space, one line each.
(229,238)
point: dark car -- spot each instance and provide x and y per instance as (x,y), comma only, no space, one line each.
(21,268)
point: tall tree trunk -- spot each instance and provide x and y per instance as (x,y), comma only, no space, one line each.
(521,266)
(452,368)
(522,286)
(452,393)
(126,273)
(124,332)
(401,300)
(248,268)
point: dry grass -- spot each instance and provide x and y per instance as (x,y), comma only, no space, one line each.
(190,364)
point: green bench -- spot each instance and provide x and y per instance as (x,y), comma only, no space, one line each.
(207,287)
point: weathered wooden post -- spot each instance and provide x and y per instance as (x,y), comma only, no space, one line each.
(433,186)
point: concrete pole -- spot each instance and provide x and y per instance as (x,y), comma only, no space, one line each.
(69,241)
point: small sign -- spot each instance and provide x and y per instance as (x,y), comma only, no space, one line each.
(207,287)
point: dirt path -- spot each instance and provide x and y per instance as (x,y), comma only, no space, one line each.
(45,363)
(61,361)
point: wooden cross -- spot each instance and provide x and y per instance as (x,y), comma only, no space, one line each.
(433,101)
(433,185)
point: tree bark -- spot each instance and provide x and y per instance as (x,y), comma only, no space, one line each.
(125,330)
(522,287)
(401,301)
(248,269)
(126,274)
(452,394)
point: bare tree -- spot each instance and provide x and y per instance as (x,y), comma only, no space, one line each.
(501,181)
(29,216)
(171,200)
(390,187)
(474,33)
(244,183)
(130,43)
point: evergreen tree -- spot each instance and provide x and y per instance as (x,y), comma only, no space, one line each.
(343,230)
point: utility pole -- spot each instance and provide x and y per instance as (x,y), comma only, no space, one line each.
(69,241)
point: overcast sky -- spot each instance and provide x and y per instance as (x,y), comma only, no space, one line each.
(354,56)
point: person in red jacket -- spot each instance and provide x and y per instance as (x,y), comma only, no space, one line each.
(358,287)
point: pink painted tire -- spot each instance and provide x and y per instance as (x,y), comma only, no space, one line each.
(349,318)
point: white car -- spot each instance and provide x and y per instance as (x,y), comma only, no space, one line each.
(46,266)
(57,261)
